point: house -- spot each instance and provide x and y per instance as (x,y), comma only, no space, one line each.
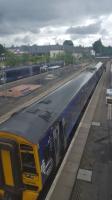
(56,50)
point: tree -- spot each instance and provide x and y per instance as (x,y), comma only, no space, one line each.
(101,50)
(68,43)
(98,47)
(68,58)
(68,46)
(2,49)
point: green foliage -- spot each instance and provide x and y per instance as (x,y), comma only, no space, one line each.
(98,47)
(68,43)
(24,59)
(68,58)
(28,59)
(2,49)
(59,56)
(68,46)
(101,50)
(87,58)
(12,59)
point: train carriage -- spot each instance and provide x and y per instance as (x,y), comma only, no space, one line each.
(33,140)
(16,73)
(13,74)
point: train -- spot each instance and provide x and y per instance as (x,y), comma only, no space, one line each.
(34,139)
(16,73)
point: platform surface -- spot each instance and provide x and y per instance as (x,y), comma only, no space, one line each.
(97,156)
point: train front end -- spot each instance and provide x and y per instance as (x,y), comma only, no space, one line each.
(20,174)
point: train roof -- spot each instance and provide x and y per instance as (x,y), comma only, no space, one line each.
(33,121)
(35,65)
(55,67)
(21,67)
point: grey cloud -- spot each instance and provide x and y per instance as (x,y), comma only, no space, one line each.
(7,28)
(104,32)
(85,30)
(24,40)
(22,16)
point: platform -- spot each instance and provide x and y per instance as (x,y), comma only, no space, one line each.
(20,90)
(97,156)
(75,179)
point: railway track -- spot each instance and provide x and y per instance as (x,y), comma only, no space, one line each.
(34,78)
(8,106)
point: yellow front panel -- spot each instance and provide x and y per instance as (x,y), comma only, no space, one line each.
(30,195)
(30,179)
(7,167)
(37,161)
(1,194)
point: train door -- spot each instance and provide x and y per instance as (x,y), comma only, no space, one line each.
(56,144)
(62,137)
(10,177)
(59,141)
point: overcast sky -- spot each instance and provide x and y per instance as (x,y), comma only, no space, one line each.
(53,21)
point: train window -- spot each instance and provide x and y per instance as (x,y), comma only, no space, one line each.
(26,147)
(56,140)
(28,162)
(56,136)
(47,152)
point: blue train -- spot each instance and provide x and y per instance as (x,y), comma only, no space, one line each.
(16,73)
(33,140)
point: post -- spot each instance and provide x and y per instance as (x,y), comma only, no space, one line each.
(4,78)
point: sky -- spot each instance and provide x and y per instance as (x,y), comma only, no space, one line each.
(44,22)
